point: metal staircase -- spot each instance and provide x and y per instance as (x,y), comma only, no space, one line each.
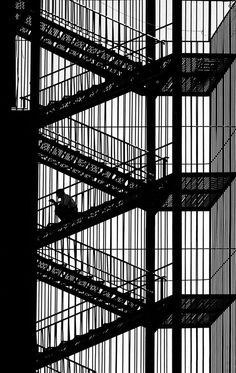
(197,311)
(200,72)
(200,191)
(74,46)
(86,286)
(200,75)
(70,365)
(84,168)
(98,214)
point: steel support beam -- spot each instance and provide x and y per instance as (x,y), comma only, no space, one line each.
(151,169)
(35,58)
(19,173)
(19,202)
(177,162)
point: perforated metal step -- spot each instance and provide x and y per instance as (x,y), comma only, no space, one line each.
(200,311)
(200,191)
(200,74)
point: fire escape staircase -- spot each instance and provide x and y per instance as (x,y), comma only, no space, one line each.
(91,217)
(73,46)
(86,286)
(200,75)
(200,191)
(200,72)
(84,168)
(197,311)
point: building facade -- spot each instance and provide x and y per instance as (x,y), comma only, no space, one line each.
(129,107)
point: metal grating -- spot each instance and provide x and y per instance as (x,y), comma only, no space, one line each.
(200,74)
(201,311)
(197,311)
(200,191)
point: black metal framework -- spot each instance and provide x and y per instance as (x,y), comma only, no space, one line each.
(130,108)
(196,311)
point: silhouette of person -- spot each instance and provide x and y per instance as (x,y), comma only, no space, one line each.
(65,208)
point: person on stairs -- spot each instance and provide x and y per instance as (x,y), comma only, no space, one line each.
(65,207)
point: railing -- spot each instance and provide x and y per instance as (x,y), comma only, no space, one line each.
(163,287)
(130,41)
(108,149)
(62,82)
(85,199)
(103,148)
(121,49)
(113,271)
(71,76)
(75,82)
(117,273)
(67,366)
(99,146)
(164,153)
(132,47)
(79,320)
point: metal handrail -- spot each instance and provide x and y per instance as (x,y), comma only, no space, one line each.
(87,151)
(100,133)
(111,19)
(60,261)
(140,287)
(76,242)
(60,20)
(121,164)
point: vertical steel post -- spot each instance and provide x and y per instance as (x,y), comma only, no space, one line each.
(19,210)
(35,58)
(177,163)
(151,169)
(34,107)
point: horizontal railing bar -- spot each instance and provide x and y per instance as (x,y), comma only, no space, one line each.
(58,70)
(55,85)
(114,21)
(115,139)
(85,31)
(99,251)
(109,256)
(99,270)
(70,361)
(62,311)
(108,135)
(71,185)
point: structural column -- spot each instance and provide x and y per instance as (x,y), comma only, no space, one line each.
(177,167)
(19,212)
(151,169)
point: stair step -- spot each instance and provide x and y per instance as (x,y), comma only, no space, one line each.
(203,310)
(82,285)
(64,98)
(78,49)
(160,72)
(52,102)
(93,172)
